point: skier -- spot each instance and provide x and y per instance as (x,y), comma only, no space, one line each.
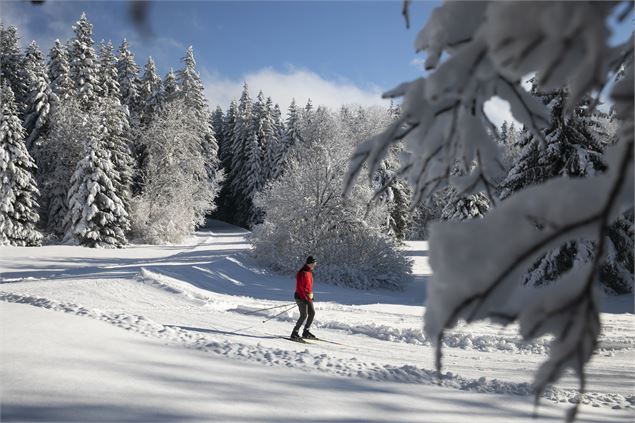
(304,299)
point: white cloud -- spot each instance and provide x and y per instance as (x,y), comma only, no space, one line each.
(300,84)
(499,111)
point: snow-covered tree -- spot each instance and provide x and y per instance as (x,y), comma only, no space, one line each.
(39,96)
(116,135)
(96,215)
(59,71)
(305,214)
(571,146)
(11,65)
(128,78)
(193,95)
(290,139)
(170,87)
(83,70)
(150,93)
(272,131)
(243,135)
(229,127)
(487,48)
(108,84)
(58,156)
(18,191)
(216,120)
(177,192)
(574,148)
(462,207)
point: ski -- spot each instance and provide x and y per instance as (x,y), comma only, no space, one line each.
(324,340)
(299,341)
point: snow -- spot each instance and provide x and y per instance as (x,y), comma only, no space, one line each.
(190,351)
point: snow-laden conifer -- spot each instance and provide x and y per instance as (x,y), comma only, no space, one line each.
(192,93)
(59,71)
(128,78)
(150,92)
(83,64)
(290,139)
(96,215)
(117,131)
(11,66)
(18,191)
(170,87)
(58,156)
(39,96)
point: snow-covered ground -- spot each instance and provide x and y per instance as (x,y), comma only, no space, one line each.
(195,350)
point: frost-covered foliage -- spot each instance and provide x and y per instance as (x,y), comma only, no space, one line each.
(11,69)
(83,64)
(39,96)
(290,139)
(177,192)
(18,214)
(96,215)
(59,71)
(462,207)
(510,138)
(150,92)
(58,155)
(117,131)
(193,95)
(574,148)
(306,214)
(128,78)
(475,51)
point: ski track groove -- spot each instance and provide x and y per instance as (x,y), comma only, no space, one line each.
(309,358)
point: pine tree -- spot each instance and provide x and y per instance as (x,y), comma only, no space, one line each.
(96,216)
(291,139)
(462,207)
(18,190)
(229,127)
(39,97)
(225,210)
(251,180)
(83,65)
(217,126)
(11,66)
(242,136)
(271,134)
(150,93)
(58,156)
(59,71)
(192,93)
(116,128)
(108,85)
(127,74)
(170,87)
(574,148)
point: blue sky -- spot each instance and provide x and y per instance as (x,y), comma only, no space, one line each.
(325,50)
(332,51)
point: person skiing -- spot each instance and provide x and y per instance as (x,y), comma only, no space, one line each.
(304,299)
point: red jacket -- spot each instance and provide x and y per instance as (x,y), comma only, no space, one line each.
(304,283)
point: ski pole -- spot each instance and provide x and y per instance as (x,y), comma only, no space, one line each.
(270,308)
(282,312)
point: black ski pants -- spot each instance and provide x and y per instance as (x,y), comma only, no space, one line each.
(306,312)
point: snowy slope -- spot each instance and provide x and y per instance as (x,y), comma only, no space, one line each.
(194,349)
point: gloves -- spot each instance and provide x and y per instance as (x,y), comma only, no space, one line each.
(310,296)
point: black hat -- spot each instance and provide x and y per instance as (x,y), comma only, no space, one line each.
(310,260)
